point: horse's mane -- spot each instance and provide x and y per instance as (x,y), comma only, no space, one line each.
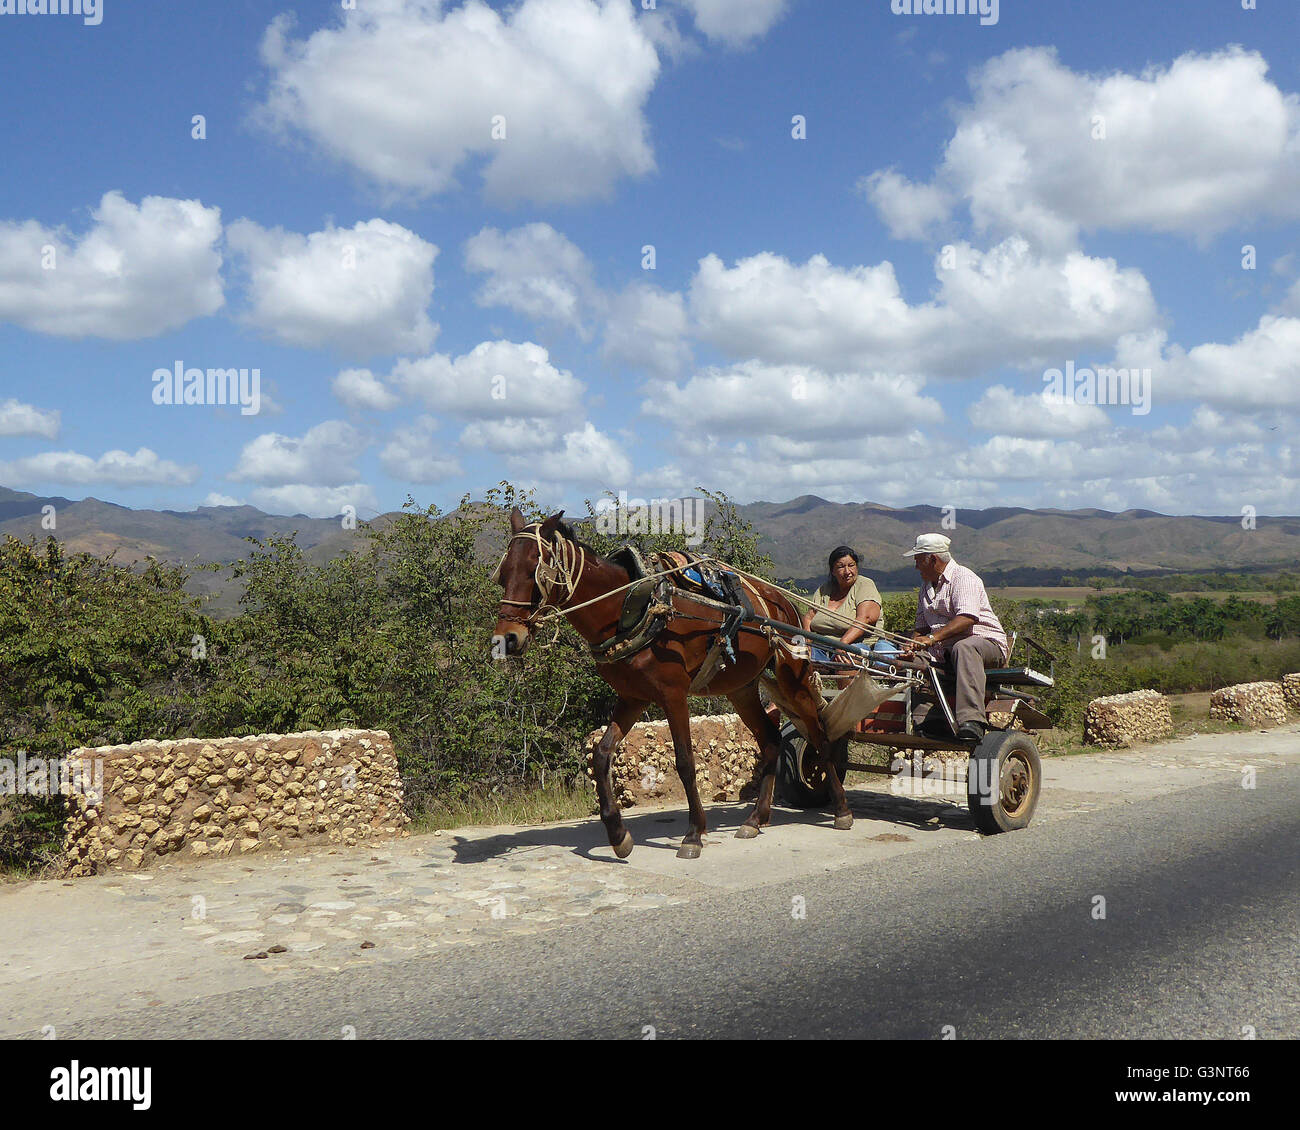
(569,532)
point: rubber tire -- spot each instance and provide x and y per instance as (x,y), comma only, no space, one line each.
(985,764)
(789,783)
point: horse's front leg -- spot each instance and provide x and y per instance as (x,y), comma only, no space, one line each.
(625,716)
(679,725)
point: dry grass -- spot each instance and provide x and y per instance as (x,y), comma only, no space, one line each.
(1191,714)
(547,805)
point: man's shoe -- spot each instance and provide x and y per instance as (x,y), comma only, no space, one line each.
(971,731)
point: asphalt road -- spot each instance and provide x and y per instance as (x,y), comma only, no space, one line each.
(997,938)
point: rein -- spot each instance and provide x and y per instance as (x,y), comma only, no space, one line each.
(557,577)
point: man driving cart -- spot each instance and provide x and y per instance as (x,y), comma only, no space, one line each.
(957,626)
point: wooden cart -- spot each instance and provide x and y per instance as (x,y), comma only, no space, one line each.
(872,704)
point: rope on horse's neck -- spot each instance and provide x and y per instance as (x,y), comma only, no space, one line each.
(550,574)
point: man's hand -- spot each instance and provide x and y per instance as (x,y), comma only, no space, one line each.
(919,640)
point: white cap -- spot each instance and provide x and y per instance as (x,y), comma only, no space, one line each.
(929,543)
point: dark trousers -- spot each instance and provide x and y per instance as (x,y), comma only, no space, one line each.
(964,666)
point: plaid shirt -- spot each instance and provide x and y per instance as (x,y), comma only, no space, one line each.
(958,592)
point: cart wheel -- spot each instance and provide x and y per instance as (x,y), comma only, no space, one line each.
(1002,781)
(802,782)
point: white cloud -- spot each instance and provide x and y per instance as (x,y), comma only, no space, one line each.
(1006,306)
(406,91)
(909,210)
(139,271)
(325,456)
(511,434)
(1202,145)
(735,22)
(494,380)
(365,290)
(1184,475)
(1039,416)
(533,270)
(317,501)
(216,499)
(659,25)
(1012,458)
(648,327)
(804,402)
(118,468)
(898,468)
(541,454)
(360,388)
(584,456)
(1131,468)
(536,271)
(1260,370)
(18,419)
(414,454)
(1208,428)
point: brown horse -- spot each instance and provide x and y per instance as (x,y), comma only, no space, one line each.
(545,567)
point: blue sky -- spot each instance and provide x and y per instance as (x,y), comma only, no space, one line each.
(866,312)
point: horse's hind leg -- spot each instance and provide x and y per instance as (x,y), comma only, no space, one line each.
(750,708)
(625,715)
(679,725)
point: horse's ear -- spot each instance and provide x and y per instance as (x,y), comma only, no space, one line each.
(517,522)
(549,526)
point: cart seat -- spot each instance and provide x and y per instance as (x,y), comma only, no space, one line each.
(1018,677)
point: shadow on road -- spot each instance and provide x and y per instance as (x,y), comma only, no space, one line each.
(662,829)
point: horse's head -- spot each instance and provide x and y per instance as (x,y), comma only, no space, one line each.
(527,574)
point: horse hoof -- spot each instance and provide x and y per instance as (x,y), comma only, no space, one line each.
(623,848)
(844,823)
(688,851)
(746,832)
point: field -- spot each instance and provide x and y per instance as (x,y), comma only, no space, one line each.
(1069,597)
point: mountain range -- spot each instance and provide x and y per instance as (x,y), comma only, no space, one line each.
(1006,545)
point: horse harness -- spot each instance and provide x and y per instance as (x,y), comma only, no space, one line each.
(648,603)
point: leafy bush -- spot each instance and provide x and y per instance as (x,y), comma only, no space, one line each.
(394,634)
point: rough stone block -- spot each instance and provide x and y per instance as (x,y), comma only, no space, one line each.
(1253,704)
(1122,720)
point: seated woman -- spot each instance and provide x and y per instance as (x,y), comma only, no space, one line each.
(850,596)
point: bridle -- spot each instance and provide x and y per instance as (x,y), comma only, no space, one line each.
(555,577)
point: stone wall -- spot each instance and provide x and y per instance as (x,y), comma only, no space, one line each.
(1255,704)
(213,797)
(1291,692)
(645,767)
(1121,720)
